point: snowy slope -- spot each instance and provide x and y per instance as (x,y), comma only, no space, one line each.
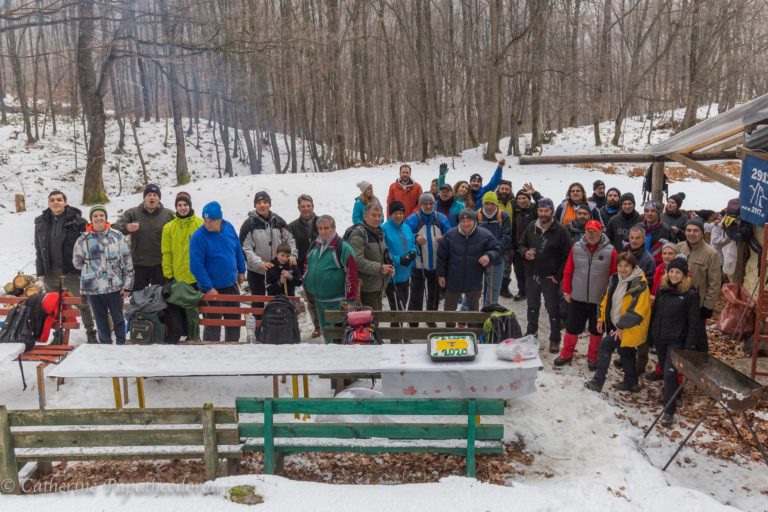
(587,454)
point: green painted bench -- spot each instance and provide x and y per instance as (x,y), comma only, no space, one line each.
(284,438)
(69,435)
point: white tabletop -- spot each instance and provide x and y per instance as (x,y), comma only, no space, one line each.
(9,351)
(217,360)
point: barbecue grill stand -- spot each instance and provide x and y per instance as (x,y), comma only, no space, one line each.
(726,386)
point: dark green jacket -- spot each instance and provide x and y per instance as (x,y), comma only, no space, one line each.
(188,298)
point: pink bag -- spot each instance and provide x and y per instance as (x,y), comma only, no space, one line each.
(359,317)
(738,316)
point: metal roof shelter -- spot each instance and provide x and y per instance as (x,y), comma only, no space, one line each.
(718,138)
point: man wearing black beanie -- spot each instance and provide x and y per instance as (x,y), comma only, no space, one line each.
(618,227)
(611,206)
(145,225)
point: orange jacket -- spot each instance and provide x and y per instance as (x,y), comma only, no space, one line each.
(407,194)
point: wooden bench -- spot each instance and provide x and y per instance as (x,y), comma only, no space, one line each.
(278,438)
(472,321)
(234,307)
(186,433)
(45,354)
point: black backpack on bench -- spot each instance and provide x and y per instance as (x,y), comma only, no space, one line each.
(279,324)
(24,322)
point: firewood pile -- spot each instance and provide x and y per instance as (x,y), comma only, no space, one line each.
(22,285)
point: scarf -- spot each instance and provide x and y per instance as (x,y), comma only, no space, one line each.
(620,292)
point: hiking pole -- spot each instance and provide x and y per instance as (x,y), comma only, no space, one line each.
(490,284)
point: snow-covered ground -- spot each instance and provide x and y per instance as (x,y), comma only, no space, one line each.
(588,453)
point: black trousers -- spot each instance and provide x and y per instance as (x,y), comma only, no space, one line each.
(627,355)
(537,286)
(145,276)
(579,315)
(518,264)
(258,285)
(213,332)
(175,322)
(419,280)
(397,296)
(670,374)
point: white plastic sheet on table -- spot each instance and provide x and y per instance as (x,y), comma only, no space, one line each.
(408,371)
(217,360)
(10,351)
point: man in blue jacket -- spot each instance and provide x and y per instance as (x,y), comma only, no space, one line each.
(476,184)
(217,262)
(463,255)
(429,227)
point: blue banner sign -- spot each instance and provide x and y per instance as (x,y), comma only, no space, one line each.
(754,190)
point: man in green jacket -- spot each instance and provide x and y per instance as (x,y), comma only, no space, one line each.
(144,223)
(331,271)
(174,247)
(373,261)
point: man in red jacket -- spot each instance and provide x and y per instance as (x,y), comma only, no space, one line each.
(591,262)
(405,190)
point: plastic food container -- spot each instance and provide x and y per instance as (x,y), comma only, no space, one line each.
(453,346)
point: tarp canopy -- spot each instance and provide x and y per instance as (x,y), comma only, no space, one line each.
(715,128)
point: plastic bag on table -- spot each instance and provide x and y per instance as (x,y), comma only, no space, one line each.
(519,349)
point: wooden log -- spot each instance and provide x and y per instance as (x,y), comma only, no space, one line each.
(726,180)
(9,469)
(9,288)
(21,203)
(657,181)
(618,158)
(31,290)
(21,281)
(211,457)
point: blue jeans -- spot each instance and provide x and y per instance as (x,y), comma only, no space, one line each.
(492,283)
(112,304)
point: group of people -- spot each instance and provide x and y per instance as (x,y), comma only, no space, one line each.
(634,280)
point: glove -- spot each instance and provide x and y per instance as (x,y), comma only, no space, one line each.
(405,261)
(411,256)
(706,313)
(443,169)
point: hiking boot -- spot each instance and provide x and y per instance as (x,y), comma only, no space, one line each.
(667,420)
(316,333)
(432,325)
(634,388)
(653,377)
(562,361)
(518,297)
(617,363)
(554,347)
(592,366)
(593,385)
(506,293)
(92,336)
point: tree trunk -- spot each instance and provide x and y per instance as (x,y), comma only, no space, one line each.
(494,82)
(602,71)
(21,91)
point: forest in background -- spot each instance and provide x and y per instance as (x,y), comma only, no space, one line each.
(365,82)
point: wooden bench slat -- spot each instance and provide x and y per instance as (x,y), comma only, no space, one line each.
(392,406)
(408,333)
(153,455)
(430,431)
(155,416)
(230,310)
(222,322)
(287,449)
(418,316)
(106,438)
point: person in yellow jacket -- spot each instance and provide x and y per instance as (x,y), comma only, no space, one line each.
(174,246)
(625,315)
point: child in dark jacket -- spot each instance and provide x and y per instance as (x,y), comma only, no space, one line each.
(283,278)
